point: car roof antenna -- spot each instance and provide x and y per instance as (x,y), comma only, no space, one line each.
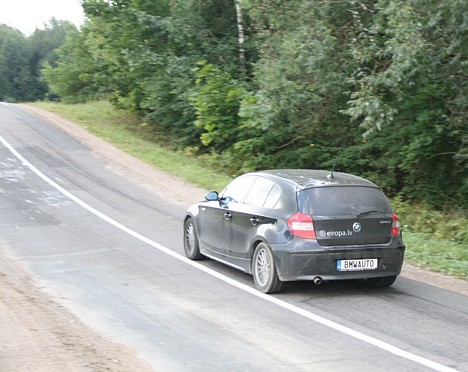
(331,177)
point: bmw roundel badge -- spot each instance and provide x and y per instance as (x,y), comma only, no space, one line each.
(356,226)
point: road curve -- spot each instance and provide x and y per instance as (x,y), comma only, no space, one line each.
(112,250)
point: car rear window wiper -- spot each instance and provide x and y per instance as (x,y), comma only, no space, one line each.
(368,212)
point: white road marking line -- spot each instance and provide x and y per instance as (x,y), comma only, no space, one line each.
(297,310)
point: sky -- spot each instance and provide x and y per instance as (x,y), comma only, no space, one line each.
(27,15)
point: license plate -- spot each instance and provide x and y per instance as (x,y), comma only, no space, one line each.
(357,265)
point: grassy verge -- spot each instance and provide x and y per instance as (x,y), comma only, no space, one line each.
(122,130)
(441,255)
(424,249)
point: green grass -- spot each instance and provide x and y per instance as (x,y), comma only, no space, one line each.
(428,243)
(441,255)
(126,132)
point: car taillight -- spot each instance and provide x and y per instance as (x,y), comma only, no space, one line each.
(396,226)
(302,226)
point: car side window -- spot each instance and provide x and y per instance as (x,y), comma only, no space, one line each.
(263,193)
(272,197)
(259,192)
(237,189)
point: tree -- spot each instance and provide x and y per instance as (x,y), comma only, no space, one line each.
(15,76)
(377,86)
(42,45)
(73,76)
(21,59)
(217,98)
(410,85)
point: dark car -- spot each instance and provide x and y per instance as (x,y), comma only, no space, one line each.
(296,224)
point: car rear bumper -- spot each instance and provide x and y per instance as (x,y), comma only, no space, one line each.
(308,263)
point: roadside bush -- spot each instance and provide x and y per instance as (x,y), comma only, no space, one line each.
(450,224)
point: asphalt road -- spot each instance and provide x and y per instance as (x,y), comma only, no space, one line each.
(112,251)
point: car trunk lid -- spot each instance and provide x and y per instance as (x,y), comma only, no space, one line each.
(353,230)
(348,215)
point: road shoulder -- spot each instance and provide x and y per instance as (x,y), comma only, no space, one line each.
(38,333)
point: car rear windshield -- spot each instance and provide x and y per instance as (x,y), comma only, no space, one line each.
(342,200)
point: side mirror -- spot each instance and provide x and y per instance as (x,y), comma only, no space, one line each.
(212,196)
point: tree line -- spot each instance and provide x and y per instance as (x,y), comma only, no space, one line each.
(22,58)
(373,87)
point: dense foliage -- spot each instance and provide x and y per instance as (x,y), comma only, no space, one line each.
(378,87)
(22,58)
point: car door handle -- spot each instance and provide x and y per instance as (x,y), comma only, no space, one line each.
(227,216)
(254,221)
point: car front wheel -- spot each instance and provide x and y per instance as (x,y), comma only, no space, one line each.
(264,270)
(191,246)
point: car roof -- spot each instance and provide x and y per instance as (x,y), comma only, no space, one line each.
(307,178)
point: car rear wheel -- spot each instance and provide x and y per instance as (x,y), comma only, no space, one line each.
(385,281)
(191,246)
(264,270)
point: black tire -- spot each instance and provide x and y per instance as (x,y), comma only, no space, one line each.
(382,282)
(191,246)
(264,270)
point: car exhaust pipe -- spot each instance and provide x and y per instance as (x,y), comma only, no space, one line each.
(317,280)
